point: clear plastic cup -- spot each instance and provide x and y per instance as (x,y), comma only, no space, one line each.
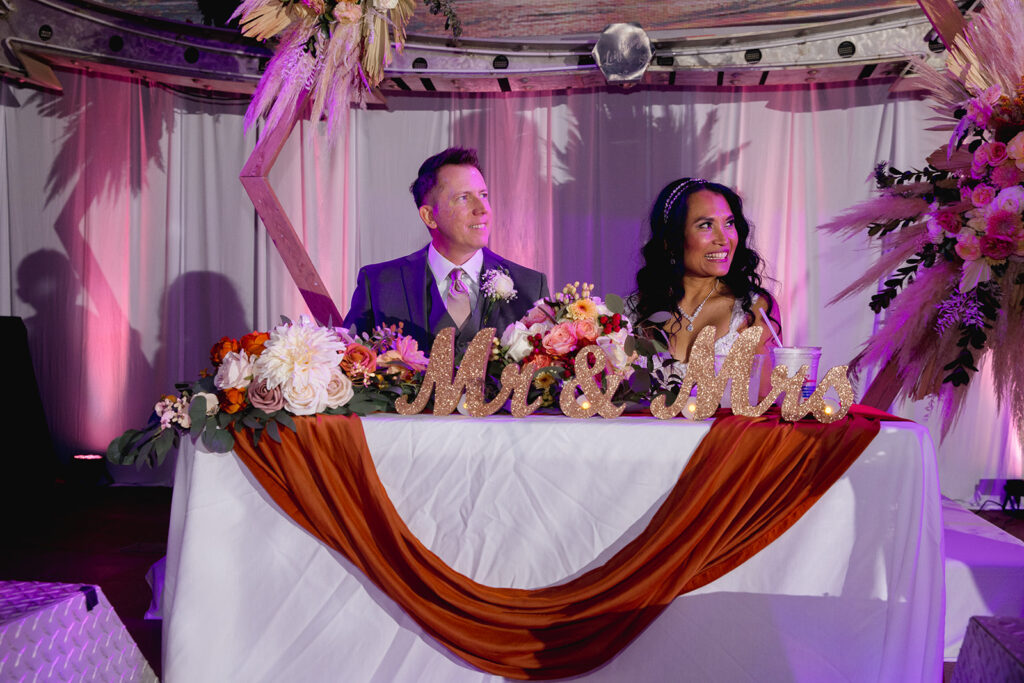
(792,357)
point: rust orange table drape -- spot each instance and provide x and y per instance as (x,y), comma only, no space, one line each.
(748,481)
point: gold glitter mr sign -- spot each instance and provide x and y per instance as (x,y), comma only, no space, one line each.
(448,385)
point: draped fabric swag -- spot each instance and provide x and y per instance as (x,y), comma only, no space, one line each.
(747,482)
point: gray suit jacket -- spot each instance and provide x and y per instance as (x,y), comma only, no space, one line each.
(403,290)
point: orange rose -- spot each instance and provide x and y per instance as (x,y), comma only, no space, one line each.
(254,342)
(222,348)
(539,360)
(232,400)
(358,360)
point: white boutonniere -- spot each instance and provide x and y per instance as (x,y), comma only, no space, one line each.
(497,286)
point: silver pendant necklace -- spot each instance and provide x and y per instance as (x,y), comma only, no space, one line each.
(691,318)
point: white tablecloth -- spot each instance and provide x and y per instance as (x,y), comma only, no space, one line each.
(853,591)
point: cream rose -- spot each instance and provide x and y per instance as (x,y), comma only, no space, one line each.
(1011,199)
(502,287)
(384,5)
(339,389)
(235,371)
(212,402)
(516,340)
(304,397)
(614,349)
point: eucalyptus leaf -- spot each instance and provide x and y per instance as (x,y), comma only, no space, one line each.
(252,422)
(284,419)
(615,304)
(119,451)
(162,444)
(197,413)
(224,419)
(273,432)
(218,440)
(256,434)
(629,346)
(258,414)
(659,317)
(146,449)
(640,381)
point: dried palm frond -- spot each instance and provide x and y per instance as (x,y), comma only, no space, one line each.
(911,240)
(990,51)
(878,210)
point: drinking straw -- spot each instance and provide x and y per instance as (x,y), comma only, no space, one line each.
(778,342)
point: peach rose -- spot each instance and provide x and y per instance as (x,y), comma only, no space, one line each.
(254,342)
(358,361)
(1015,149)
(561,340)
(222,348)
(967,247)
(586,331)
(983,195)
(540,313)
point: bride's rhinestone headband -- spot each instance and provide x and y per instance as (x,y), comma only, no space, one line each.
(689,182)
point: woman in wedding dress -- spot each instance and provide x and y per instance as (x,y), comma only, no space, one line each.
(698,270)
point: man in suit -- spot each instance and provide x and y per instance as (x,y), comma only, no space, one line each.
(439,286)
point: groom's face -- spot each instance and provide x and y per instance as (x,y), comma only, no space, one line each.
(458,213)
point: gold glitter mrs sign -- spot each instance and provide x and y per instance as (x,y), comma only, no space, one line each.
(448,385)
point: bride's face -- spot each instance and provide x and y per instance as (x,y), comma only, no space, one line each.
(709,237)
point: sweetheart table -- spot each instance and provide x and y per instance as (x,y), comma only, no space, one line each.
(853,590)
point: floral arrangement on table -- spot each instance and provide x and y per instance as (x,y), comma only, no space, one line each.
(332,50)
(556,328)
(953,233)
(261,380)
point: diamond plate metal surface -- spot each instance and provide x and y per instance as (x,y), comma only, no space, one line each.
(64,632)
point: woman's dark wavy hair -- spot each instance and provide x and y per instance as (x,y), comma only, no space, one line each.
(659,282)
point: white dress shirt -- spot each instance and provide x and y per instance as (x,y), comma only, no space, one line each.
(440,267)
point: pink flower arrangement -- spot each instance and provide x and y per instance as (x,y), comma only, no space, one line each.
(555,329)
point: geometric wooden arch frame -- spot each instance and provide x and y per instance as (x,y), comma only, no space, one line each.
(268,208)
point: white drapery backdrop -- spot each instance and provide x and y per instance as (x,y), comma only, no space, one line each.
(128,245)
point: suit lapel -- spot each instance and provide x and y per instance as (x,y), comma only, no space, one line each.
(417,295)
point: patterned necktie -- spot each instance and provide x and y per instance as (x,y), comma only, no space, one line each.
(458,298)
